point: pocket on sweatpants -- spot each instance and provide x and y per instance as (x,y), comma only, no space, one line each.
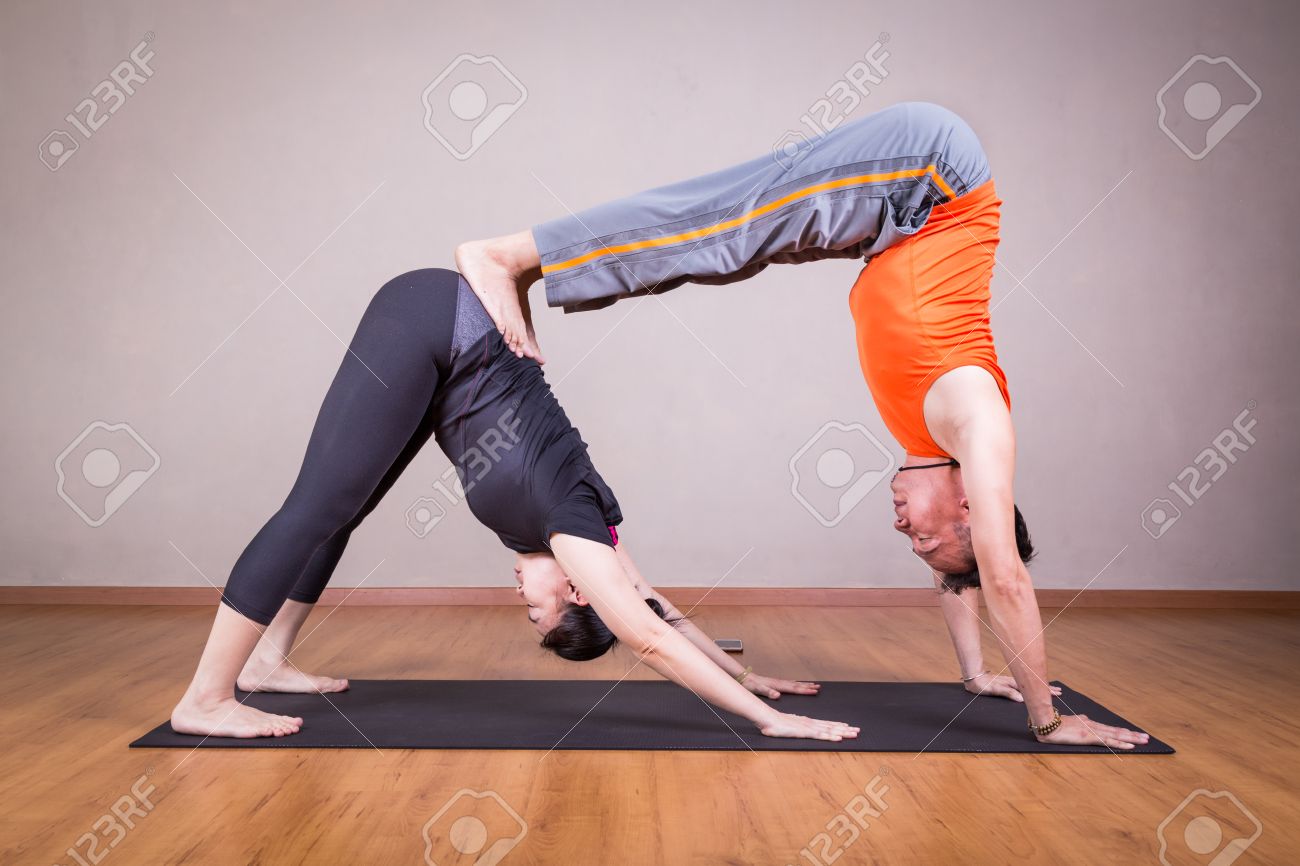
(897,225)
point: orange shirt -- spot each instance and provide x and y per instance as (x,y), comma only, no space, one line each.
(921,308)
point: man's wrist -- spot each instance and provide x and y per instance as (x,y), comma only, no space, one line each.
(1042,712)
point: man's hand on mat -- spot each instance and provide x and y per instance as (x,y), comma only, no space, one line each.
(1082,731)
(767,687)
(804,728)
(1000,687)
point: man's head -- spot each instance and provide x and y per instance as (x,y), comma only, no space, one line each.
(931,509)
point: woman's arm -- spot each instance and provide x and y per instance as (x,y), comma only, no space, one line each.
(598,574)
(759,685)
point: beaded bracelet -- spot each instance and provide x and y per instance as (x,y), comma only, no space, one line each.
(1044,730)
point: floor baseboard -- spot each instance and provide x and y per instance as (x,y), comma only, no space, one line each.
(683,596)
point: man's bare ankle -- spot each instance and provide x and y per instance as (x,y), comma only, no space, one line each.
(505,252)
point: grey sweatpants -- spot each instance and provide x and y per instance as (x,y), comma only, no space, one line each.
(850,193)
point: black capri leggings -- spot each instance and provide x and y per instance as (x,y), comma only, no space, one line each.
(376,417)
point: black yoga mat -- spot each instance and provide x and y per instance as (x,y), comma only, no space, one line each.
(640,715)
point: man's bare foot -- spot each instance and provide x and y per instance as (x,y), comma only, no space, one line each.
(499,272)
(226,717)
(262,676)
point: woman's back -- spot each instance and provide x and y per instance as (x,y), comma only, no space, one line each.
(523,466)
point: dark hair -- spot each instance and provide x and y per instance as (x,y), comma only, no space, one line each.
(955,583)
(581,635)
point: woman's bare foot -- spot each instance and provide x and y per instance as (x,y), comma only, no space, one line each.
(259,675)
(227,717)
(500,270)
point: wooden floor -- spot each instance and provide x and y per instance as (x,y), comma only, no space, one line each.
(81,682)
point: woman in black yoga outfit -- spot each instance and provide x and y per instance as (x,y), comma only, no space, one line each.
(427,360)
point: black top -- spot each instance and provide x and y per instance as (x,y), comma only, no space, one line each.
(524,468)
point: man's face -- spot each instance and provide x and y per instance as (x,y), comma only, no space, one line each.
(929,506)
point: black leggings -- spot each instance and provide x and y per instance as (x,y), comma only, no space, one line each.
(377,415)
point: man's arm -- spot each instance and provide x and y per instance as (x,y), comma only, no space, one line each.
(961,615)
(966,415)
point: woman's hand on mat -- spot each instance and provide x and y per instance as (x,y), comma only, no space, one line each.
(768,687)
(804,728)
(1082,731)
(1000,687)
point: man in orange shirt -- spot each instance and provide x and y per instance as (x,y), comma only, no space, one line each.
(909,189)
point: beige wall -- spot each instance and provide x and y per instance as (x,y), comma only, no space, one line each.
(1142,329)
